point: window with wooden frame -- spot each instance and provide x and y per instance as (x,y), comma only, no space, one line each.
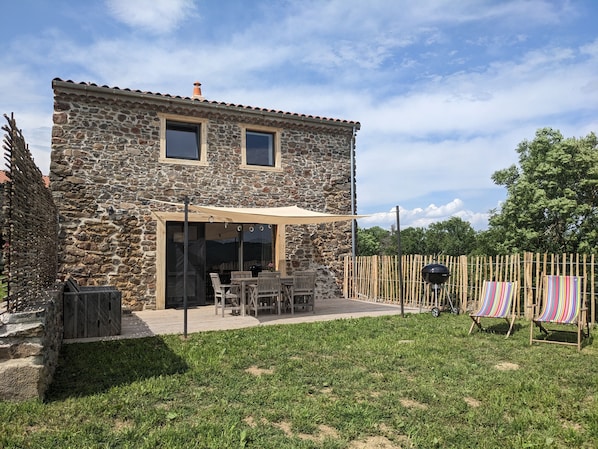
(183,140)
(260,147)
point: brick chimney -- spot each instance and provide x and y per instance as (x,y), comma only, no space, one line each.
(197,91)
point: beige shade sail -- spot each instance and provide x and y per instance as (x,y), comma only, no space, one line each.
(270,215)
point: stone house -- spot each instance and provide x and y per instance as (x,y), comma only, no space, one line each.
(124,162)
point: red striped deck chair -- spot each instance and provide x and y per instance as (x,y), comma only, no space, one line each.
(562,305)
(496,302)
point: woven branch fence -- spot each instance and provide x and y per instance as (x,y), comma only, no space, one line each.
(376,278)
(29,226)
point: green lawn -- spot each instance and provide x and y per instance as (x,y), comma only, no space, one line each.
(385,382)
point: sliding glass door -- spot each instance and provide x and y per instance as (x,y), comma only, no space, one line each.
(236,246)
(213,248)
(196,286)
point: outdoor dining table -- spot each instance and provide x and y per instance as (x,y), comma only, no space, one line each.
(286,290)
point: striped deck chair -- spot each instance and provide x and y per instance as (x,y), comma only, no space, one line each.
(497,302)
(563,304)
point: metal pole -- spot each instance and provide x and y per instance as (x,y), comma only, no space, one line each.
(400,266)
(185,263)
(351,289)
(352,187)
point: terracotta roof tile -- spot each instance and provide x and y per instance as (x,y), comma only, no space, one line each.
(220,103)
(4,178)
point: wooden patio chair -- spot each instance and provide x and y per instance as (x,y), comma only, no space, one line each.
(240,274)
(562,305)
(269,273)
(223,297)
(265,293)
(304,290)
(496,302)
(235,288)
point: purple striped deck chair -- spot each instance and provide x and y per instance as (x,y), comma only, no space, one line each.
(562,305)
(496,302)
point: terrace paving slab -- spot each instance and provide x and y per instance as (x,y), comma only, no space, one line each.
(149,323)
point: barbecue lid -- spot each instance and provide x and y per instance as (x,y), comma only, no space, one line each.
(435,273)
(436,268)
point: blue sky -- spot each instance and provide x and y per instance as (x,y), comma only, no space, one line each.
(444,90)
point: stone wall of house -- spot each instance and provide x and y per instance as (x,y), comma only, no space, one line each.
(30,343)
(105,155)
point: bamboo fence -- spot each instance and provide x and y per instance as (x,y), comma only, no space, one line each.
(376,279)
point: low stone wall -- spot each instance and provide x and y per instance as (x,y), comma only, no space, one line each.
(30,343)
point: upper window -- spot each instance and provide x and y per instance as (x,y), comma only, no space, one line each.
(182,140)
(260,147)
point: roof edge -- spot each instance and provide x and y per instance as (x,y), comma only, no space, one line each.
(94,88)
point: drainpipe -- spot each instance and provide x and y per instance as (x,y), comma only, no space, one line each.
(353,200)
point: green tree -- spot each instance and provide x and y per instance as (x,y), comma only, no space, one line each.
(388,242)
(413,241)
(552,196)
(370,241)
(486,243)
(454,237)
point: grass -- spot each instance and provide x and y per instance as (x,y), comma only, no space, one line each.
(384,382)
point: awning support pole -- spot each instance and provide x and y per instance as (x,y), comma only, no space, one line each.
(400,262)
(185,263)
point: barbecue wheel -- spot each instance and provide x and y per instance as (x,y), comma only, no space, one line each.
(435,312)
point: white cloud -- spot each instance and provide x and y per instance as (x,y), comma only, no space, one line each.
(158,16)
(403,169)
(424,217)
(490,101)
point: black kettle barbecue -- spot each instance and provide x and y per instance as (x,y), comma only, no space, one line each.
(436,274)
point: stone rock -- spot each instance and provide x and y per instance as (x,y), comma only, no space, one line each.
(20,350)
(22,330)
(21,379)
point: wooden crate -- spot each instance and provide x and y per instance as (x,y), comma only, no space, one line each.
(91,311)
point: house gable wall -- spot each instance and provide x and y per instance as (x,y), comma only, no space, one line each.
(108,183)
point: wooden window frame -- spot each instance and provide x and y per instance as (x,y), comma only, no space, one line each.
(203,144)
(276,133)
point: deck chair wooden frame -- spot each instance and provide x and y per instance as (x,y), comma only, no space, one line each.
(562,305)
(496,302)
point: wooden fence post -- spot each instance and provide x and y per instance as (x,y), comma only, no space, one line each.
(464,283)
